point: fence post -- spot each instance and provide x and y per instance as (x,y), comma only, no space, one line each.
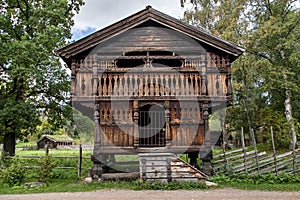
(294,159)
(80,161)
(255,149)
(244,149)
(47,149)
(224,151)
(274,151)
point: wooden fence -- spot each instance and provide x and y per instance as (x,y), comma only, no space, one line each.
(253,162)
(77,166)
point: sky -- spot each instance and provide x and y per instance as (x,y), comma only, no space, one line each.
(98,14)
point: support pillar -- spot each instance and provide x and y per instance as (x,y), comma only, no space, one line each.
(167,118)
(206,149)
(136,124)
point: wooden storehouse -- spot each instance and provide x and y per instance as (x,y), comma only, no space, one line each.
(150,83)
(54,141)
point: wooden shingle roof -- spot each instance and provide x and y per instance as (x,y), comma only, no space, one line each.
(140,17)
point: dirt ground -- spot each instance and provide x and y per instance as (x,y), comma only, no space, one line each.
(218,194)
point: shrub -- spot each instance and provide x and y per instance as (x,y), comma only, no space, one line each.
(46,169)
(13,172)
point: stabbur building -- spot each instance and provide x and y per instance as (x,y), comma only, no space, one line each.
(150,82)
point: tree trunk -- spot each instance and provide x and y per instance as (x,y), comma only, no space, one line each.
(288,108)
(289,118)
(9,146)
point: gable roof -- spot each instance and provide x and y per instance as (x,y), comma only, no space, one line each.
(140,17)
(57,138)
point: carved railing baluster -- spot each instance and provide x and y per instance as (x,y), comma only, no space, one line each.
(191,85)
(121,86)
(141,85)
(135,86)
(151,85)
(146,90)
(180,87)
(187,85)
(116,85)
(125,85)
(130,85)
(176,90)
(104,85)
(173,92)
(167,87)
(156,85)
(203,80)
(196,77)
(109,90)
(162,85)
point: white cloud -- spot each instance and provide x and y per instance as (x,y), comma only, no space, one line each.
(97,14)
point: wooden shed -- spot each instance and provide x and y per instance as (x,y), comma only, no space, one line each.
(150,83)
(54,141)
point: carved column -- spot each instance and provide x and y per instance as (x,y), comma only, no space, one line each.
(204,79)
(135,124)
(73,77)
(168,129)
(95,81)
(228,79)
(206,149)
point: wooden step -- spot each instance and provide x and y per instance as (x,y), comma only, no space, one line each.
(167,167)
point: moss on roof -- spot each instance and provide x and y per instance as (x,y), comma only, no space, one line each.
(59,138)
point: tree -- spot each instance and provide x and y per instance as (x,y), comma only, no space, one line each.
(265,77)
(33,82)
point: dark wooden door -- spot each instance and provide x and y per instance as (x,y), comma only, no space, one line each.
(152,126)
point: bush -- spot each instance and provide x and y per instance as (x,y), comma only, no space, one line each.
(46,169)
(13,172)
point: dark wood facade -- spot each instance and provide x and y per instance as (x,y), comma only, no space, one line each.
(54,142)
(150,83)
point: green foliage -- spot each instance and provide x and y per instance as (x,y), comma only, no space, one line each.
(46,170)
(84,127)
(266,77)
(171,186)
(257,179)
(13,172)
(33,82)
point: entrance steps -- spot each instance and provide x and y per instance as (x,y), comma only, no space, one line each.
(167,167)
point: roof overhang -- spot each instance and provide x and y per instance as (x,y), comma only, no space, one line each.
(91,41)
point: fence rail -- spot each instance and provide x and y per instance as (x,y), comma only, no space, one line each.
(254,162)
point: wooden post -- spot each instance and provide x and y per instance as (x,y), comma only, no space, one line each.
(167,118)
(274,151)
(135,124)
(95,91)
(73,77)
(224,150)
(80,161)
(244,149)
(47,149)
(294,157)
(255,150)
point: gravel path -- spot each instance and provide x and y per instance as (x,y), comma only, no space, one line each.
(218,194)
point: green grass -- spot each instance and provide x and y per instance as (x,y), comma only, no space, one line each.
(289,187)
(52,152)
(59,185)
(282,182)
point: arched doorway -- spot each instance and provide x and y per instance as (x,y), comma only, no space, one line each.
(152,126)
